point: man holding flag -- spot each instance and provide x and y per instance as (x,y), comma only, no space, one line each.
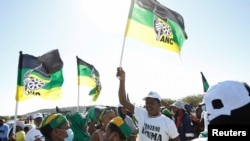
(151,123)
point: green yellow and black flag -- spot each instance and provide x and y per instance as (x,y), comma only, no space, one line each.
(39,76)
(88,75)
(204,82)
(153,23)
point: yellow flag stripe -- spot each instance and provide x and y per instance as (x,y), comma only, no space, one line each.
(137,31)
(85,80)
(51,94)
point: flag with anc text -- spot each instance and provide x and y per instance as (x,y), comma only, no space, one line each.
(39,76)
(89,76)
(153,23)
(204,82)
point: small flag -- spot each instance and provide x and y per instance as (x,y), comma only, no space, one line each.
(153,23)
(39,76)
(204,82)
(88,75)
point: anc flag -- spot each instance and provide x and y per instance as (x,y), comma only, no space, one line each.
(205,83)
(39,76)
(155,24)
(88,75)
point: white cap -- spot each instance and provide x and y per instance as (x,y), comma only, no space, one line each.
(224,97)
(179,104)
(37,115)
(153,95)
(20,124)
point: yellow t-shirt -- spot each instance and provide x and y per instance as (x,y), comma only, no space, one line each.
(20,136)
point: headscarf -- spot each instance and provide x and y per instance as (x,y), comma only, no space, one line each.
(96,113)
(124,128)
(77,122)
(51,122)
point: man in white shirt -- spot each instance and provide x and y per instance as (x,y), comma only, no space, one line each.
(153,126)
(34,134)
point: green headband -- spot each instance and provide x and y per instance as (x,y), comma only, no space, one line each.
(54,120)
(119,122)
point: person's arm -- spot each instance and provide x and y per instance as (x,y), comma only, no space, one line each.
(122,92)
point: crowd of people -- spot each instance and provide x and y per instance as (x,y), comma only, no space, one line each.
(156,121)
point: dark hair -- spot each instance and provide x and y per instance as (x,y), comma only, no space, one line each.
(45,130)
(26,128)
(114,128)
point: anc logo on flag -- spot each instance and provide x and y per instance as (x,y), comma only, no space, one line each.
(163,31)
(34,80)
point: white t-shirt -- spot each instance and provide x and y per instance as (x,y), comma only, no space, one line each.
(159,128)
(33,134)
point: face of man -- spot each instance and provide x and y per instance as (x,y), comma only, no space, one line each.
(152,106)
(37,121)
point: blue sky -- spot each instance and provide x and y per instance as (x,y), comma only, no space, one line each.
(93,30)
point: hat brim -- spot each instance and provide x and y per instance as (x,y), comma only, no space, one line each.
(183,108)
(150,97)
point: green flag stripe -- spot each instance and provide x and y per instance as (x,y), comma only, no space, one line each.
(84,70)
(142,16)
(56,79)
